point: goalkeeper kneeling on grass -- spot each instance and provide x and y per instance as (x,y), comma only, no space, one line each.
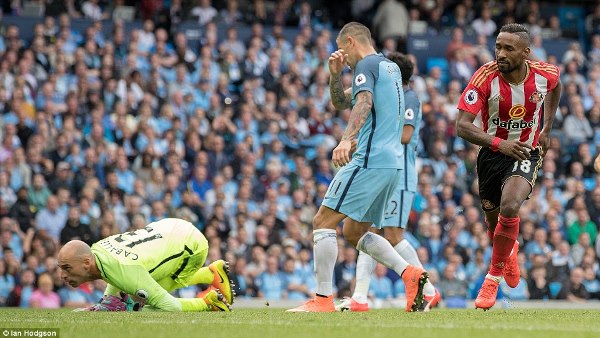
(142,267)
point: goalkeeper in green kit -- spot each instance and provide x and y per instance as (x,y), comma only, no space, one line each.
(142,268)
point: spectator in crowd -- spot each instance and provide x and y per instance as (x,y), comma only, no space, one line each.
(561,262)
(592,21)
(8,194)
(583,224)
(576,126)
(75,229)
(204,11)
(92,10)
(7,283)
(20,296)
(537,49)
(391,21)
(460,69)
(457,42)
(38,193)
(591,283)
(484,25)
(296,286)
(44,297)
(538,284)
(271,283)
(345,270)
(539,245)
(51,219)
(574,290)
(381,286)
(454,291)
(461,18)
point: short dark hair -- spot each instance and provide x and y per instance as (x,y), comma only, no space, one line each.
(356,30)
(518,29)
(406,66)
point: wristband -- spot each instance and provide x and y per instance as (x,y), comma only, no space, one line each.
(495,144)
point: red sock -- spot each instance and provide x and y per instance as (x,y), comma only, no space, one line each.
(505,235)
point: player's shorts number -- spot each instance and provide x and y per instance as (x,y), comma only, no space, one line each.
(525,166)
(394,210)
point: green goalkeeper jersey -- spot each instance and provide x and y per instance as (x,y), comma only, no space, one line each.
(163,252)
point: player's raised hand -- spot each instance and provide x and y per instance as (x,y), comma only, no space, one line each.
(597,164)
(337,61)
(341,153)
(515,149)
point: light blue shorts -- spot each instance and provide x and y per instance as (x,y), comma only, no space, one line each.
(362,194)
(398,209)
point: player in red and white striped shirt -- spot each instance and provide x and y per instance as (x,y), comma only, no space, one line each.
(509,93)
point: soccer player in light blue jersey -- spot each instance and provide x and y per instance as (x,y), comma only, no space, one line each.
(398,208)
(363,187)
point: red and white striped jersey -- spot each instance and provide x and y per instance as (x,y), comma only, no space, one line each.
(510,111)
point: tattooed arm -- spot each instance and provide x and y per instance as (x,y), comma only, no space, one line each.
(358,116)
(337,62)
(340,98)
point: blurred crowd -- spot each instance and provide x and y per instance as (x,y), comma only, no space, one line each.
(102,134)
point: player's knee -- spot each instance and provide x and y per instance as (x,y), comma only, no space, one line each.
(394,237)
(318,221)
(393,240)
(510,208)
(352,235)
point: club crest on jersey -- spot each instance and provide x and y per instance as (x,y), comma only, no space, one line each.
(360,79)
(471,96)
(487,204)
(536,97)
(517,112)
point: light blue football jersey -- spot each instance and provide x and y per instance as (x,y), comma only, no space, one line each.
(379,143)
(412,116)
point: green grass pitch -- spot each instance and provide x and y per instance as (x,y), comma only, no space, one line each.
(275,323)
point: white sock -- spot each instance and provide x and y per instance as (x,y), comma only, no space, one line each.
(325,252)
(365,265)
(410,255)
(382,251)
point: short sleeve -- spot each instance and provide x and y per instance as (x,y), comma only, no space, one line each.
(411,112)
(364,76)
(474,96)
(553,78)
(471,100)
